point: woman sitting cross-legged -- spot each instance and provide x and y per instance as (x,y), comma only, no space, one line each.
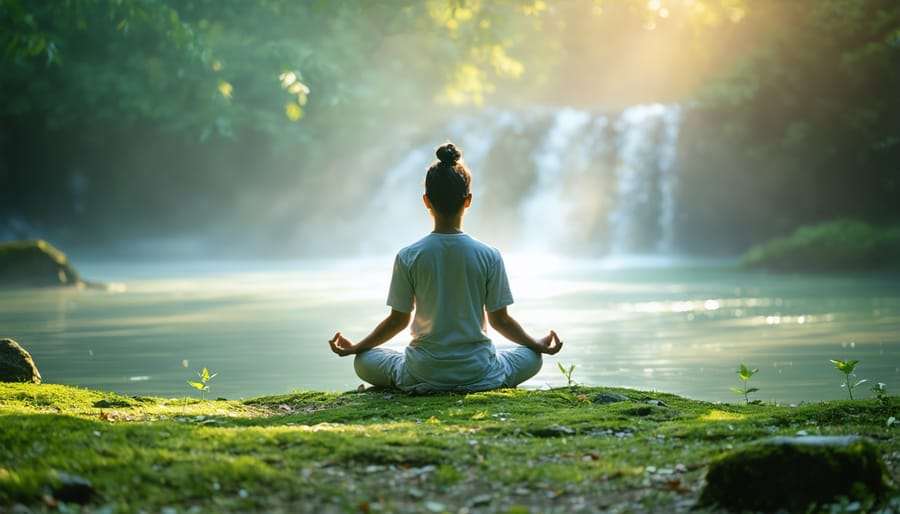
(449,284)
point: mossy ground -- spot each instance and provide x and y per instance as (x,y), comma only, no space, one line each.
(376,451)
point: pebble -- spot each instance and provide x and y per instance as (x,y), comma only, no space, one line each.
(434,506)
(481,499)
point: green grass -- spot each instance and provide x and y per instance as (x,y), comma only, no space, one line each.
(500,451)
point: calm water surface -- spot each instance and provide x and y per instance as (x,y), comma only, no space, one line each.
(263,327)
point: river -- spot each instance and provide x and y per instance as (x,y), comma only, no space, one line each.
(262,327)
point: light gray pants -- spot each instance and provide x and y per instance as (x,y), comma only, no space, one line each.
(384,367)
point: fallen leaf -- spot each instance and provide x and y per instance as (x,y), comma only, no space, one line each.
(675,486)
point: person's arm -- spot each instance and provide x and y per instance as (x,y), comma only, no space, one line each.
(509,328)
(388,328)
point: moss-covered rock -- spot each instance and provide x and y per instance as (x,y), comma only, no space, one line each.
(842,245)
(794,472)
(35,263)
(16,364)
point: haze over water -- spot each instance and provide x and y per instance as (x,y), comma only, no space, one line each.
(263,326)
(598,188)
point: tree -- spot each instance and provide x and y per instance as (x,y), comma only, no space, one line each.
(802,124)
(156,111)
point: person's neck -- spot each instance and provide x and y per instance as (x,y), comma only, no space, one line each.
(448,225)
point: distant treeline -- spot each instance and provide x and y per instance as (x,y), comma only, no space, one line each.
(227,120)
(802,127)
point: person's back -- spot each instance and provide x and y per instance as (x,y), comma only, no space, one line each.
(450,280)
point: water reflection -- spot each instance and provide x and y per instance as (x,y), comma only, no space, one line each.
(263,327)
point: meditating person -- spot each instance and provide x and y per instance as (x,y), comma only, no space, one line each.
(452,282)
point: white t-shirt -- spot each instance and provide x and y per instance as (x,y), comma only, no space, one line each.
(450,280)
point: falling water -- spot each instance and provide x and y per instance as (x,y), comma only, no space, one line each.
(644,212)
(569,181)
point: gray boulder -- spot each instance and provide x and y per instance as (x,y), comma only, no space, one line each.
(794,473)
(16,364)
(605,397)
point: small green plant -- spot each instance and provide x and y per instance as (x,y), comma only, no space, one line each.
(203,384)
(745,375)
(880,392)
(567,373)
(847,367)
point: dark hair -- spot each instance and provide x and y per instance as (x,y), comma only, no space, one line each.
(447,182)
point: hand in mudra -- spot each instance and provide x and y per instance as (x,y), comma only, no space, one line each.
(341,345)
(550,344)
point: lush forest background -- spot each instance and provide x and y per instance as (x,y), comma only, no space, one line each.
(228,125)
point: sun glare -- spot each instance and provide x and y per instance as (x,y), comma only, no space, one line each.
(718,415)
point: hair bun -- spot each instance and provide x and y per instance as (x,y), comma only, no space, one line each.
(448,154)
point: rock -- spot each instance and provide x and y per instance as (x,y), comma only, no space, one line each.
(35,263)
(643,410)
(795,472)
(608,397)
(554,430)
(73,489)
(106,404)
(16,364)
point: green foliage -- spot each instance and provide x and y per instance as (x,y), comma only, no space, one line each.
(163,63)
(158,111)
(797,129)
(203,384)
(745,375)
(880,392)
(567,373)
(216,68)
(847,368)
(881,396)
(840,245)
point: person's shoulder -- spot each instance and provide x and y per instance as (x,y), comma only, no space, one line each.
(483,247)
(478,242)
(414,248)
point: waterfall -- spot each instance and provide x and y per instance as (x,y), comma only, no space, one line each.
(567,181)
(643,216)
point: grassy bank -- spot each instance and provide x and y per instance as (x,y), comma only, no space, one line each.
(513,451)
(35,263)
(841,245)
